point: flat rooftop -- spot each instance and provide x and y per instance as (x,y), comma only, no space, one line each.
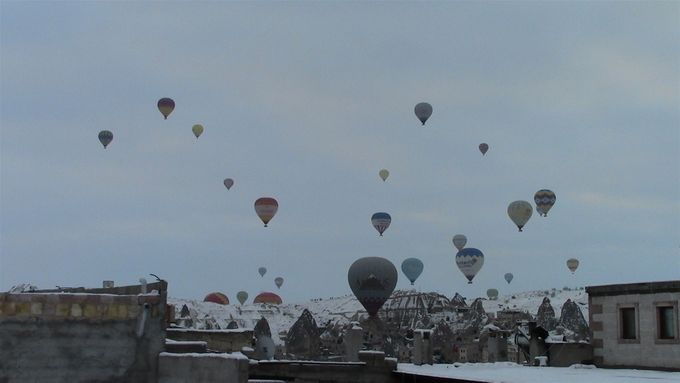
(508,372)
(634,288)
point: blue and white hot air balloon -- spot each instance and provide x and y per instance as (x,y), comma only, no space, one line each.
(412,268)
(381,221)
(470,261)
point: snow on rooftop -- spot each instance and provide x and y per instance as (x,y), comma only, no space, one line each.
(507,372)
(233,355)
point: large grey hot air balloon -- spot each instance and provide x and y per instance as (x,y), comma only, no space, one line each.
(459,241)
(105,137)
(278,281)
(470,261)
(544,199)
(508,277)
(242,296)
(384,173)
(423,111)
(166,106)
(372,280)
(572,264)
(412,268)
(483,147)
(492,294)
(520,212)
(262,271)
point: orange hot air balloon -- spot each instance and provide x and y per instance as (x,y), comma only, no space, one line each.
(268,297)
(266,208)
(218,298)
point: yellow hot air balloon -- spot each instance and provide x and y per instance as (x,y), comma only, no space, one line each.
(197,129)
(384,173)
(572,264)
(520,212)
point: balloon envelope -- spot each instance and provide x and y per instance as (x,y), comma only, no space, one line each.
(266,209)
(228,182)
(492,293)
(197,129)
(509,277)
(166,106)
(459,241)
(268,297)
(470,261)
(423,111)
(105,137)
(242,297)
(218,298)
(483,147)
(544,199)
(572,264)
(381,221)
(372,280)
(262,271)
(384,173)
(520,212)
(278,281)
(412,268)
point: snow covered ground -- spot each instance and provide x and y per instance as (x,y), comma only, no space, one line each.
(342,309)
(505,372)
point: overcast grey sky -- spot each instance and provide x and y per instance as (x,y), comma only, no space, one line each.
(305,102)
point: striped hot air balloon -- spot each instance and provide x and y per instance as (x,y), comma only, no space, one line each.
(266,208)
(381,221)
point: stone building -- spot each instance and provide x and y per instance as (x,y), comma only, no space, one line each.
(636,324)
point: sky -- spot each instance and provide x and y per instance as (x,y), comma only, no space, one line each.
(305,102)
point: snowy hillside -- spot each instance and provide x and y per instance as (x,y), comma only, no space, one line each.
(340,310)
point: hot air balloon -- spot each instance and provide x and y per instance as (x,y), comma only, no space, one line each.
(166,106)
(268,297)
(423,111)
(278,281)
(381,221)
(508,277)
(384,173)
(572,264)
(242,297)
(520,212)
(218,298)
(372,280)
(228,182)
(492,294)
(262,271)
(459,241)
(545,199)
(470,261)
(197,129)
(412,268)
(266,209)
(105,137)
(483,147)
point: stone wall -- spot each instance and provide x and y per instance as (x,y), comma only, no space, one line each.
(645,351)
(372,367)
(202,368)
(218,340)
(80,337)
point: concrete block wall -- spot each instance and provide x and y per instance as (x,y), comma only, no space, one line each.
(202,368)
(218,340)
(608,350)
(80,337)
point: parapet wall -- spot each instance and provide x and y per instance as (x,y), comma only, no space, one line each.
(80,337)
